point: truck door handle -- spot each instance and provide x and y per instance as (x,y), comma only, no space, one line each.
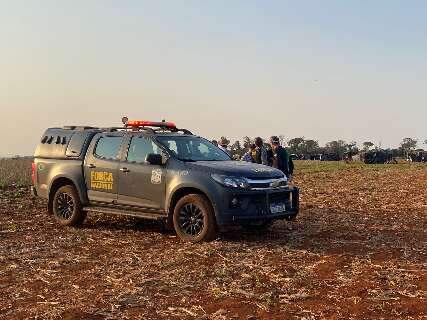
(124,170)
(91,165)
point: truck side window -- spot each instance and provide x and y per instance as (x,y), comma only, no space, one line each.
(203,149)
(139,148)
(108,147)
(173,146)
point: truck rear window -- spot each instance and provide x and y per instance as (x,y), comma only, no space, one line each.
(76,143)
(108,147)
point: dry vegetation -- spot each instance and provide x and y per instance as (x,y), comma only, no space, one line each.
(15,172)
(357,250)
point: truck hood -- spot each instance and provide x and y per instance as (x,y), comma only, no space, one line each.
(236,168)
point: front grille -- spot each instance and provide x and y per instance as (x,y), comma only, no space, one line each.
(266,178)
(260,203)
(260,185)
(267,183)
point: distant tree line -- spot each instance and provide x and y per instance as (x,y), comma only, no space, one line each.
(340,148)
(310,147)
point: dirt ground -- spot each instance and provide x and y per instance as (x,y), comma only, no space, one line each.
(357,250)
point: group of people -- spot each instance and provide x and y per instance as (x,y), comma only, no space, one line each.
(271,154)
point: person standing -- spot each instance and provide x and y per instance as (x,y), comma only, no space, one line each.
(251,154)
(281,158)
(261,152)
(223,145)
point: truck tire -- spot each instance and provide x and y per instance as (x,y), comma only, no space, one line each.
(67,208)
(194,220)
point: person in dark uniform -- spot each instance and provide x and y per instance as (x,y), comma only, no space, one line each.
(281,158)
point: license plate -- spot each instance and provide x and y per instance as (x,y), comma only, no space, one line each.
(277,207)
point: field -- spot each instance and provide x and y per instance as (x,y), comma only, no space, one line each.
(357,250)
(15,172)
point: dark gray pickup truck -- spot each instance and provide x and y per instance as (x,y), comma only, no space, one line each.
(154,170)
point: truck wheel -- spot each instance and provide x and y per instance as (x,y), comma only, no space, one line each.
(193,219)
(67,208)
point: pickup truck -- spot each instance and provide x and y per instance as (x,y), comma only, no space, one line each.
(154,170)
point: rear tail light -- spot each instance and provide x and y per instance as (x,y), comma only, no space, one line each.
(33,173)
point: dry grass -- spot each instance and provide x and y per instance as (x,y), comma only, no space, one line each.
(15,172)
(357,250)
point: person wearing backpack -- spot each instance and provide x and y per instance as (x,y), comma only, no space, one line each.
(281,159)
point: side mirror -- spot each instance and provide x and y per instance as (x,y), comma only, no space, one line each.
(154,159)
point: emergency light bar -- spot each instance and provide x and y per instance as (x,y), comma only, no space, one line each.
(144,123)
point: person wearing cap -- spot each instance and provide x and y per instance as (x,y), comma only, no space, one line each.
(223,145)
(261,152)
(250,156)
(215,143)
(280,156)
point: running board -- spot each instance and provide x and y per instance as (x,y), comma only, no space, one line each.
(126,212)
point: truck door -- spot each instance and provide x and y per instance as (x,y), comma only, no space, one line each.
(101,167)
(141,184)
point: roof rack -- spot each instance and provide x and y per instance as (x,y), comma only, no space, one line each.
(184,131)
(114,129)
(149,125)
(148,129)
(78,128)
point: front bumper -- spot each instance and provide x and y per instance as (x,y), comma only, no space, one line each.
(255,206)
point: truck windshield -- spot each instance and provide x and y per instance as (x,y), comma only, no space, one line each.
(193,149)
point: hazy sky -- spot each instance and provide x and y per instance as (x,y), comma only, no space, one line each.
(355,70)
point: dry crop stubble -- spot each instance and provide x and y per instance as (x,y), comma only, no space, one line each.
(358,249)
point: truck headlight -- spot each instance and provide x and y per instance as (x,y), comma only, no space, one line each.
(231,181)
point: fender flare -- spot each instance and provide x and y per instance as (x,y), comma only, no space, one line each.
(78,185)
(182,186)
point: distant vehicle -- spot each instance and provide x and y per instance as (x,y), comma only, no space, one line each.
(378,157)
(319,157)
(417,156)
(156,171)
(295,156)
(316,157)
(331,157)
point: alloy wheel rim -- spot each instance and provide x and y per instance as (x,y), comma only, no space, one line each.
(190,219)
(65,206)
